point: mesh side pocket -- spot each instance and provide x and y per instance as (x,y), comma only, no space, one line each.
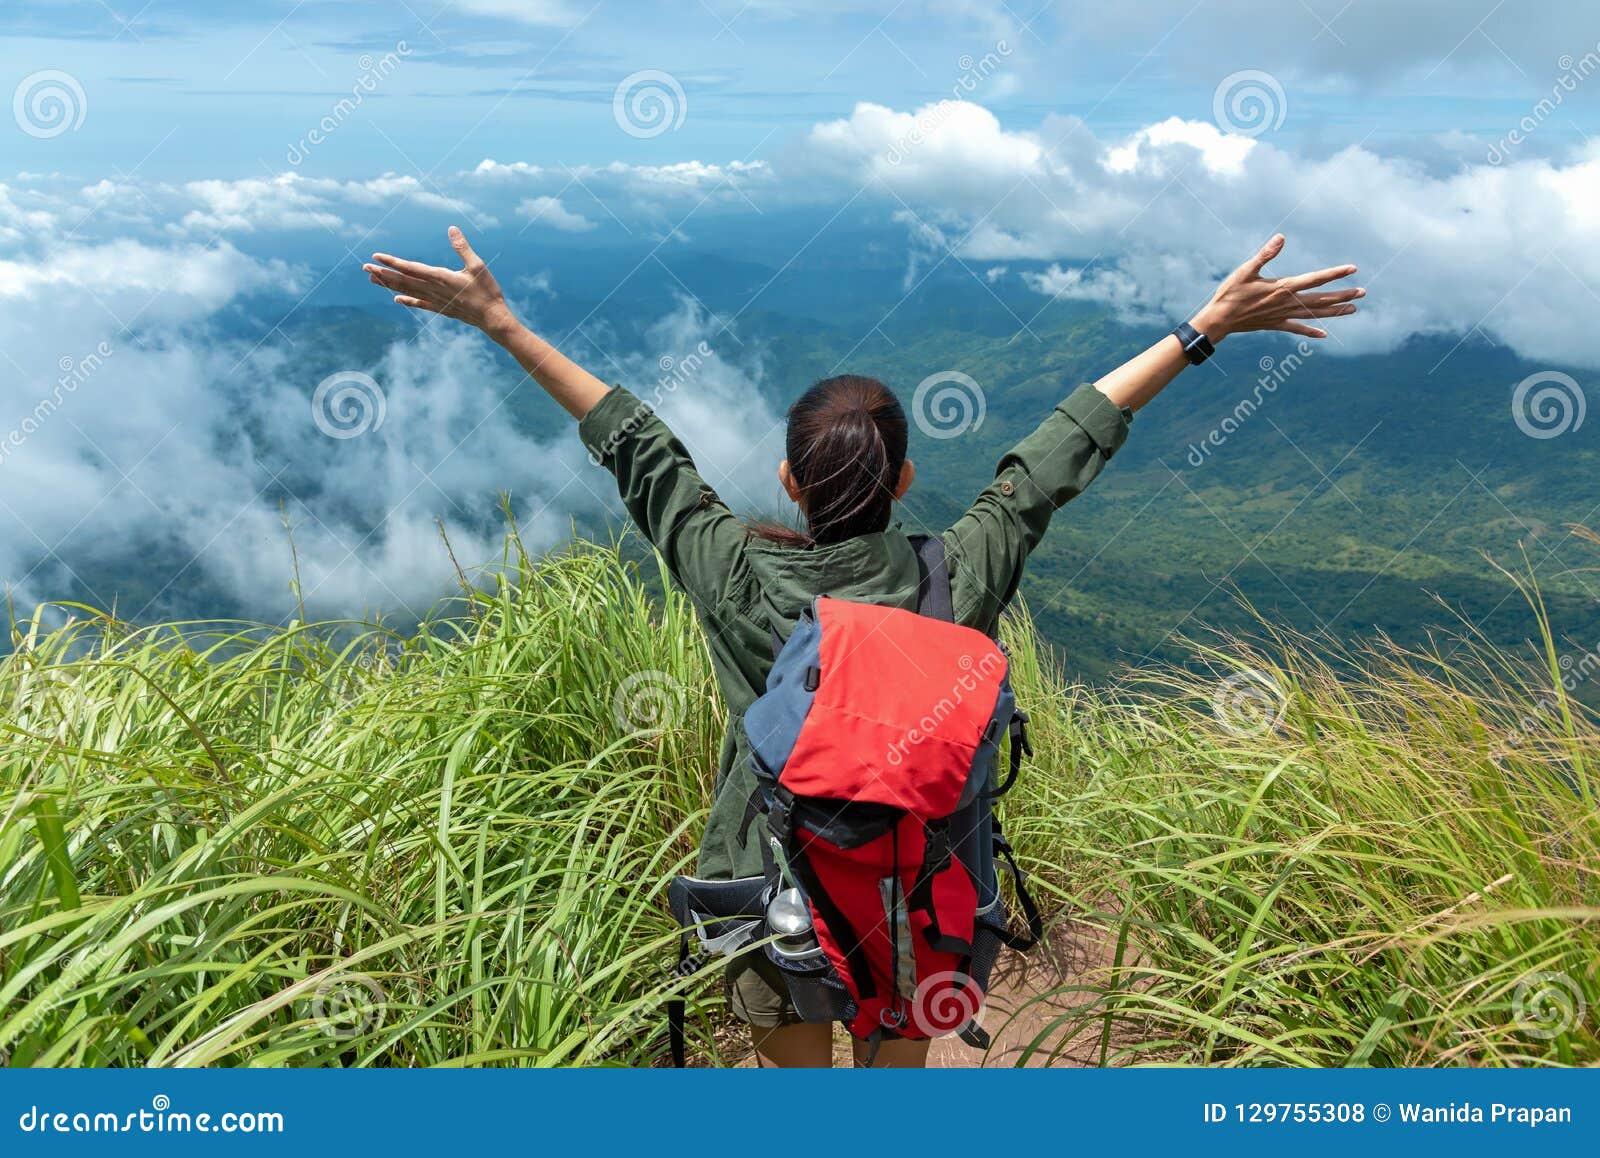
(986,944)
(815,989)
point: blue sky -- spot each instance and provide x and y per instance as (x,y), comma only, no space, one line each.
(184,88)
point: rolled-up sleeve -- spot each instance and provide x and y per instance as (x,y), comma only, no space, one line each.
(697,535)
(990,544)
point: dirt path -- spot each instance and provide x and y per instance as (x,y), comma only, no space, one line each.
(1016,1014)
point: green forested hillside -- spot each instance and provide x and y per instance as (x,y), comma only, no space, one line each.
(1360,496)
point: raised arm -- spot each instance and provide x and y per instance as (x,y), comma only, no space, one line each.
(1245,301)
(470,294)
(700,539)
(1054,464)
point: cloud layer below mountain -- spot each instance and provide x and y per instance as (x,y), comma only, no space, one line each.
(136,425)
(138,434)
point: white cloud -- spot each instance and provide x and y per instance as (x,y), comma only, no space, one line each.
(289,201)
(1155,218)
(957,143)
(635,185)
(132,427)
(549,211)
(1220,152)
(1111,286)
(281,202)
(16,222)
(129,279)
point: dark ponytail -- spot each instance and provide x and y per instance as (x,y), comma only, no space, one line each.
(846,446)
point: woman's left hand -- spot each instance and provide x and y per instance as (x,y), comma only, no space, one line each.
(1248,301)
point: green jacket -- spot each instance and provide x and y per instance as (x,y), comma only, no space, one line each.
(742,588)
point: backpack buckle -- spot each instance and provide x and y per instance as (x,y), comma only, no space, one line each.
(780,824)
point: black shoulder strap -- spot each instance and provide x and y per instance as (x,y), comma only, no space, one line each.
(933,579)
(1002,850)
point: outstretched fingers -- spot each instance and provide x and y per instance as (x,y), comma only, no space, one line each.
(1331,297)
(1302,329)
(1334,304)
(411,268)
(390,279)
(1305,281)
(418,304)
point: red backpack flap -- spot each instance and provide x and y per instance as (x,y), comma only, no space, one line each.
(901,709)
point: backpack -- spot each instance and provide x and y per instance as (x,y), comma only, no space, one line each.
(875,749)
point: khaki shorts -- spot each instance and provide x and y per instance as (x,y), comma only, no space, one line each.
(757,993)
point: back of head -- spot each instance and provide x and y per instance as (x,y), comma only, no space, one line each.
(846,445)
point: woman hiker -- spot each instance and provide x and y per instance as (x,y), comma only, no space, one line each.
(846,465)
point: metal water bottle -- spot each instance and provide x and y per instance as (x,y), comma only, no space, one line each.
(789,919)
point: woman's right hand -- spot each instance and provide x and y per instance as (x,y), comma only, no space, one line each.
(1247,301)
(469,294)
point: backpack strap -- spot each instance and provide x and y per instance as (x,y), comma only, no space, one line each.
(1030,911)
(933,578)
(1017,730)
(936,858)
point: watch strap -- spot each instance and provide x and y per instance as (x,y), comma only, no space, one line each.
(1196,346)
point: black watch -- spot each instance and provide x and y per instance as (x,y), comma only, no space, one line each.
(1196,346)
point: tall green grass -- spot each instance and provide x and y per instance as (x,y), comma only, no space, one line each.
(238,845)
(1385,859)
(229,844)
